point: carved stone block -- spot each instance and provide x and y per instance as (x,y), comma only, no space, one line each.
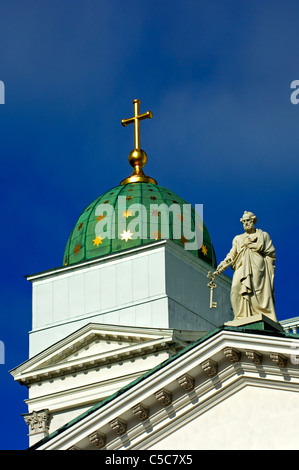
(186,381)
(279,359)
(38,421)
(210,367)
(254,356)
(164,397)
(141,411)
(232,354)
(119,426)
(98,439)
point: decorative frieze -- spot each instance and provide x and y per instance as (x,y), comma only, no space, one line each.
(234,355)
(255,357)
(141,411)
(187,382)
(98,439)
(38,421)
(119,426)
(164,397)
(279,359)
(210,367)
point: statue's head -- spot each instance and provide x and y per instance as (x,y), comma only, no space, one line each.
(248,220)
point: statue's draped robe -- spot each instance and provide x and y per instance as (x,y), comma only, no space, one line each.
(252,289)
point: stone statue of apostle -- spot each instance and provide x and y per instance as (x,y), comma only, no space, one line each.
(252,258)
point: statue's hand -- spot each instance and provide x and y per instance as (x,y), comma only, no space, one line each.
(221,267)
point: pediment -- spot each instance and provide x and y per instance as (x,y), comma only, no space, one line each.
(92,345)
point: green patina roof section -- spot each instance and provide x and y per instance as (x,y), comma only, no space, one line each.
(261,329)
(81,245)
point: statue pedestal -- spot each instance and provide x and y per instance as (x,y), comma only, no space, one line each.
(258,321)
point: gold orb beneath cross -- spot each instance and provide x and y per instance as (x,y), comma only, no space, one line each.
(137,159)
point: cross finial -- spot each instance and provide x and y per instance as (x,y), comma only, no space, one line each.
(136,120)
(137,157)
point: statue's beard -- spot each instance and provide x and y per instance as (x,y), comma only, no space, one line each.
(248,227)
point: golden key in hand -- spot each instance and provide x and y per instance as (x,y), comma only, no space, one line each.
(212,285)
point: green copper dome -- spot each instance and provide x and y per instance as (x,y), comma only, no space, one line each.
(111,223)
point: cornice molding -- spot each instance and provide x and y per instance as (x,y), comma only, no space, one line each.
(229,369)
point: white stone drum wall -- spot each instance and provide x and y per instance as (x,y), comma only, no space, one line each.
(159,285)
(189,295)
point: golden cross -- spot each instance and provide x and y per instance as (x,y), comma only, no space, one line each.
(136,120)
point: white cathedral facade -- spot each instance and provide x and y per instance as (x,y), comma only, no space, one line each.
(126,353)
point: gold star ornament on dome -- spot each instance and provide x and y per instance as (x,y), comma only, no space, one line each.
(156,235)
(97,241)
(126,235)
(127,213)
(155,213)
(204,250)
(77,249)
(183,240)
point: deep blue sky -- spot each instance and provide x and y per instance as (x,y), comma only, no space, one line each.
(215,74)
